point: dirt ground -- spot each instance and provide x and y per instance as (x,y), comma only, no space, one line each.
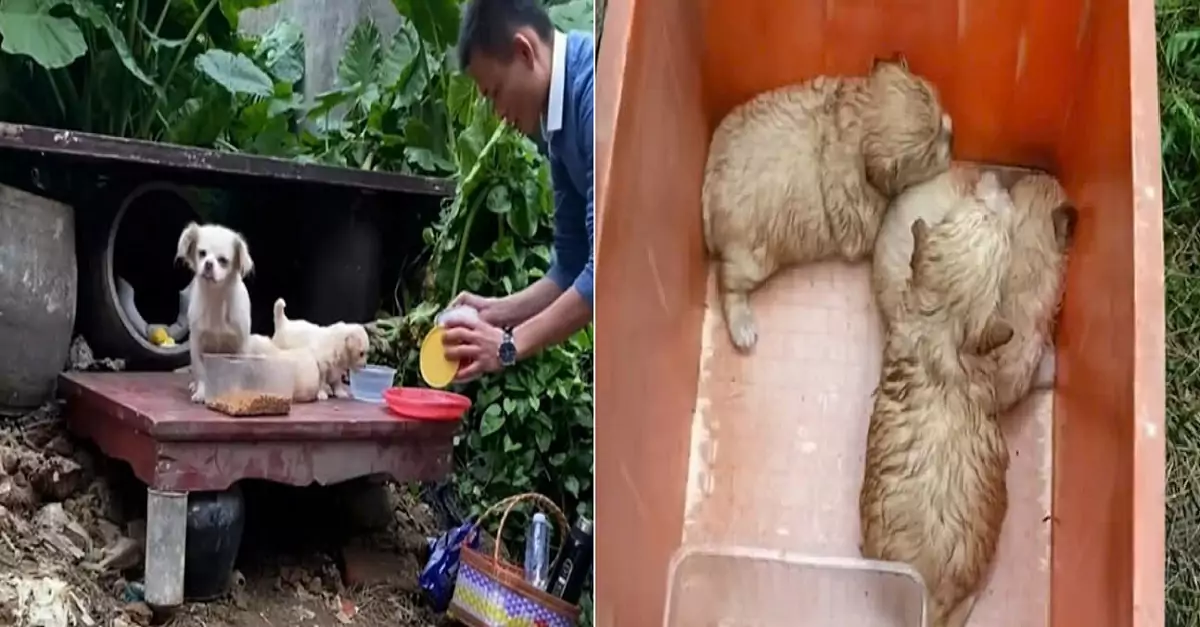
(71,525)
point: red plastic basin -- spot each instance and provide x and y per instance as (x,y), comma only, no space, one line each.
(426,404)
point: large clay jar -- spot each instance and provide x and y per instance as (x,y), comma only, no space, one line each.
(215,523)
(38,285)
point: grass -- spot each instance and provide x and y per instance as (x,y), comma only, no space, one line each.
(1179,94)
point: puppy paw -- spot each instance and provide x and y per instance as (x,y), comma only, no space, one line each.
(322,396)
(743,332)
(740,320)
(198,393)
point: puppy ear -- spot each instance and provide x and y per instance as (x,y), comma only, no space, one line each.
(896,59)
(241,256)
(1064,217)
(186,249)
(920,233)
(996,334)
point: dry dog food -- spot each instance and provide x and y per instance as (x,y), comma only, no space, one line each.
(250,403)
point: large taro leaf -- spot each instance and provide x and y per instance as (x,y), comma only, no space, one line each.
(436,21)
(281,50)
(236,73)
(360,62)
(99,18)
(231,9)
(28,28)
(404,47)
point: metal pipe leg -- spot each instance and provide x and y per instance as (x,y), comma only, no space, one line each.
(166,538)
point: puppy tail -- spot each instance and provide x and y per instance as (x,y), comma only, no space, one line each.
(280,316)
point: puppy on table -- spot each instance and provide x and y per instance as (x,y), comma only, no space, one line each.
(219,312)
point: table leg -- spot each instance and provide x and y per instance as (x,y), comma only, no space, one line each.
(166,540)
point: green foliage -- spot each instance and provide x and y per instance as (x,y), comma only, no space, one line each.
(1179,96)
(530,428)
(28,28)
(120,67)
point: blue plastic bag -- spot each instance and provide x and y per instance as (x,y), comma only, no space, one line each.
(438,577)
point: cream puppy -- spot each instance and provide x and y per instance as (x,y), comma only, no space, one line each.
(961,188)
(804,173)
(309,375)
(219,310)
(1041,226)
(934,492)
(341,345)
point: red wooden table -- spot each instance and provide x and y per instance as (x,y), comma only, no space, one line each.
(176,446)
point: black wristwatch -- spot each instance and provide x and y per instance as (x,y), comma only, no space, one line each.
(508,349)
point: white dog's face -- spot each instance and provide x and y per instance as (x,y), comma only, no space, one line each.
(214,253)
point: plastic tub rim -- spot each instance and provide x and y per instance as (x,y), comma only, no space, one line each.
(791,557)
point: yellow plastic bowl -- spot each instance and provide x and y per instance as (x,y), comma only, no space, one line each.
(436,370)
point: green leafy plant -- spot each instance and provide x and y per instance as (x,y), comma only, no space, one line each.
(530,427)
(108,66)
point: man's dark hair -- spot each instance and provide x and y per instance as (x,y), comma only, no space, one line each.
(488,26)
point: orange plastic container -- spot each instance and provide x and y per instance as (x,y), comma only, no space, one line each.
(697,445)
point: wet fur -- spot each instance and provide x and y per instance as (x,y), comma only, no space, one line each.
(342,346)
(929,201)
(1041,228)
(804,173)
(218,311)
(934,491)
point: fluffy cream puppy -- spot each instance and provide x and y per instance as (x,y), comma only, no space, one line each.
(1041,228)
(934,492)
(341,345)
(308,375)
(804,173)
(218,313)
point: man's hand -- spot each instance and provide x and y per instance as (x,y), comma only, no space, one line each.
(475,344)
(490,310)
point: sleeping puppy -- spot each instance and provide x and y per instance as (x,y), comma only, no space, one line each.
(343,346)
(804,173)
(930,202)
(309,376)
(934,492)
(219,310)
(1041,228)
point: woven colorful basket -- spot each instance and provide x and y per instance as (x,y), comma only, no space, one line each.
(490,592)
